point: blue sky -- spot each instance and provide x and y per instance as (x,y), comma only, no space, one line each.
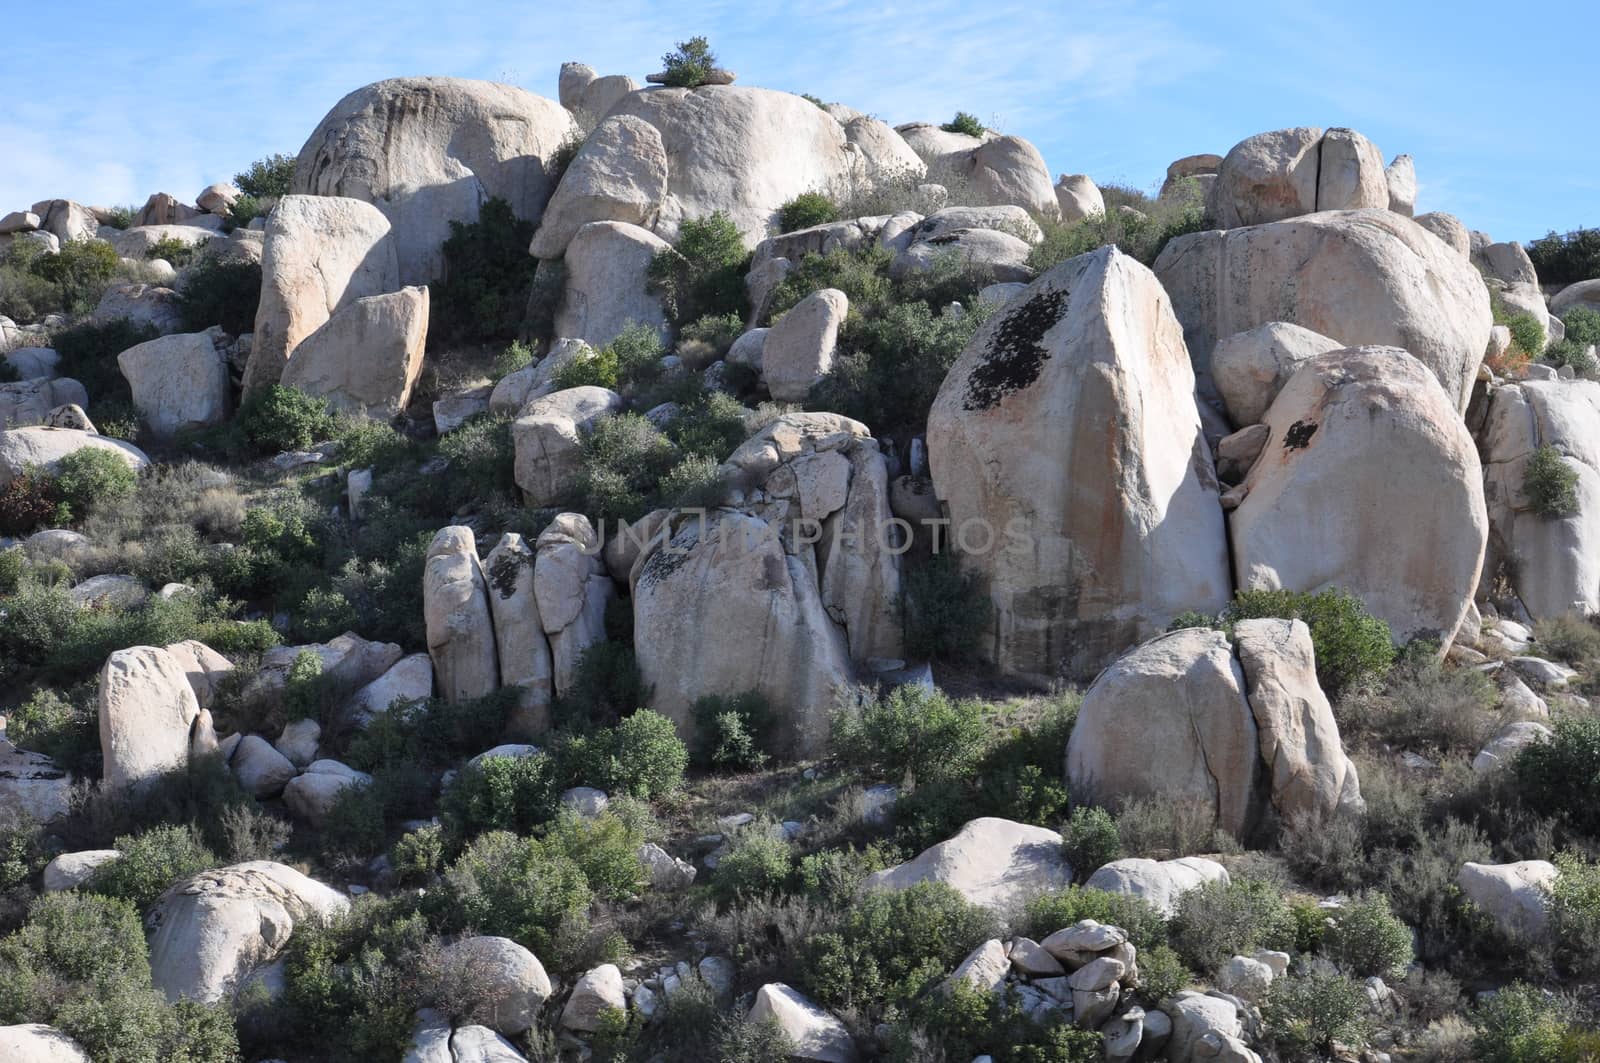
(110,104)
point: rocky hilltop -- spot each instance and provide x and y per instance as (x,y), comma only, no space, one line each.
(692,572)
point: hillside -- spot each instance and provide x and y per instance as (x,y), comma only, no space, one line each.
(688,572)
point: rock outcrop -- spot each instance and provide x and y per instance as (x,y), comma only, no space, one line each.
(1085,370)
(1359,277)
(427,151)
(455,603)
(147,713)
(179,382)
(991,862)
(1354,434)
(44,447)
(367,356)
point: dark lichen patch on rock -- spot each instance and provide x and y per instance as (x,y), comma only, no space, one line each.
(1299,435)
(1016,350)
(503,574)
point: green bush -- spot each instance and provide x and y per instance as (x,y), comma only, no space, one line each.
(245,210)
(1550,484)
(488,275)
(1351,644)
(893,363)
(1566,352)
(1567,259)
(1560,777)
(279,418)
(501,793)
(715,330)
(80,271)
(1575,915)
(945,609)
(418,855)
(805,210)
(220,292)
(1313,1012)
(1143,235)
(1049,912)
(1162,973)
(513,887)
(605,848)
(690,64)
(965,123)
(483,460)
(642,757)
(1571,638)
(173,251)
(151,861)
(354,825)
(1425,707)
(1518,1024)
(1218,921)
(756,864)
(1527,334)
(624,459)
(862,275)
(64,729)
(267,178)
(13,562)
(703,275)
(88,354)
(605,687)
(712,426)
(912,732)
(517,355)
(1091,841)
(733,732)
(891,946)
(1366,939)
(1582,325)
(93,476)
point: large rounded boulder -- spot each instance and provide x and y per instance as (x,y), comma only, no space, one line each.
(428,151)
(1067,444)
(1288,172)
(1359,277)
(1369,482)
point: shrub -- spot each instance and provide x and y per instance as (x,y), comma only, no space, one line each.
(715,330)
(1425,707)
(805,210)
(173,251)
(1566,352)
(891,946)
(624,458)
(418,855)
(1049,912)
(1550,484)
(945,609)
(27,502)
(1560,777)
(964,123)
(1162,973)
(1143,235)
(151,861)
(690,64)
(1351,644)
(245,210)
(88,354)
(488,275)
(862,275)
(642,756)
(280,418)
(1518,1024)
(1527,334)
(1314,1011)
(712,426)
(483,460)
(1366,939)
(248,833)
(893,362)
(912,732)
(1575,915)
(544,298)
(704,272)
(1571,638)
(605,687)
(1091,841)
(513,887)
(80,271)
(733,732)
(606,850)
(36,620)
(93,476)
(267,178)
(1583,325)
(13,563)
(1217,921)
(757,863)
(353,827)
(1568,258)
(220,292)
(517,355)
(501,793)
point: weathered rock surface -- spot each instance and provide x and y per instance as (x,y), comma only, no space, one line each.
(427,151)
(1288,172)
(366,358)
(147,711)
(572,589)
(520,642)
(815,1034)
(35,1042)
(455,597)
(606,286)
(515,983)
(620,174)
(179,382)
(548,438)
(798,350)
(1359,277)
(1085,370)
(1513,895)
(45,447)
(1250,368)
(321,254)
(1307,524)
(991,862)
(212,930)
(1160,883)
